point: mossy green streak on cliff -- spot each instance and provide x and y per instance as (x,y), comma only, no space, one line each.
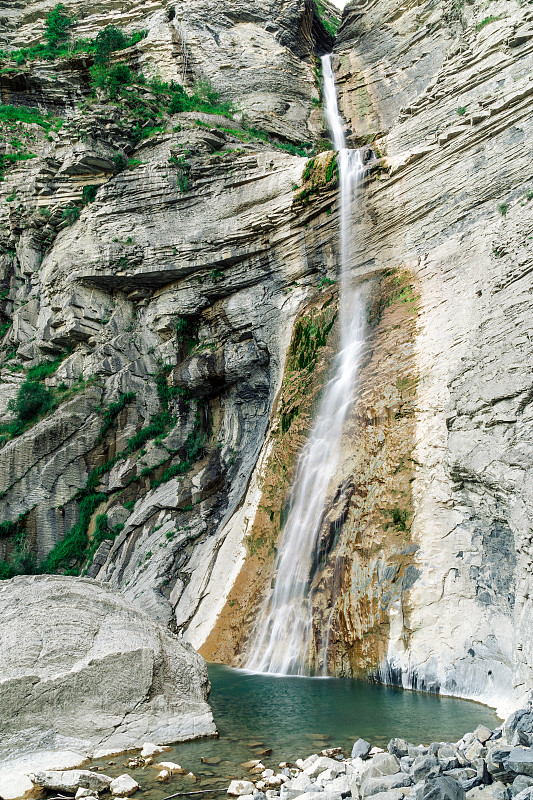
(329,20)
(321,174)
(35,400)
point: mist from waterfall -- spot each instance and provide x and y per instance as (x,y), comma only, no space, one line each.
(282,636)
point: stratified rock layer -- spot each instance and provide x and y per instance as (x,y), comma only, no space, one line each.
(445,92)
(187,293)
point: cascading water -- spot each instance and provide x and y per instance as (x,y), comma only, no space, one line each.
(282,635)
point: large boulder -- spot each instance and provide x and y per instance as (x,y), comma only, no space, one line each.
(83,671)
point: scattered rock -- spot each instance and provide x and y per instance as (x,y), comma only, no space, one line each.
(496,763)
(519,761)
(71,780)
(237,788)
(396,747)
(163,776)
(123,786)
(442,788)
(482,733)
(150,749)
(425,767)
(361,749)
(384,783)
(173,768)
(520,783)
(322,763)
(519,727)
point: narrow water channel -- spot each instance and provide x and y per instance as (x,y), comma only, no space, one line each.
(296,716)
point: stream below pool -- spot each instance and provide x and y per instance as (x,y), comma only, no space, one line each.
(294,717)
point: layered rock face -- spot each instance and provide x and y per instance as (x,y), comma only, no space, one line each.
(424,567)
(191,309)
(93,674)
(168,300)
(445,91)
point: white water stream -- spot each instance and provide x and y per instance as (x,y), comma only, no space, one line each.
(281,640)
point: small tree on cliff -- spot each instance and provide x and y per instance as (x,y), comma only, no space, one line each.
(58,25)
(107,41)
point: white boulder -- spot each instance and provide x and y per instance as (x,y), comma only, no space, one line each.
(95,673)
(71,780)
(123,786)
(237,788)
(150,750)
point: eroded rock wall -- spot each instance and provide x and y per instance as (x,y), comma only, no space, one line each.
(445,92)
(178,291)
(167,298)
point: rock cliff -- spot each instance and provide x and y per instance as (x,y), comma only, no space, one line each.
(168,302)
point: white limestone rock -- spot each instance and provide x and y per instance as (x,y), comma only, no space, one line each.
(238,788)
(123,786)
(71,780)
(94,672)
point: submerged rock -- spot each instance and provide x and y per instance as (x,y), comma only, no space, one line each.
(238,788)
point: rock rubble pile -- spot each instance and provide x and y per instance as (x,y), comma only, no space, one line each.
(483,765)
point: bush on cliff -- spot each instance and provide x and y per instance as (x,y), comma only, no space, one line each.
(32,400)
(58,25)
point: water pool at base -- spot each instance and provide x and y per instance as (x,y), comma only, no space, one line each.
(295,717)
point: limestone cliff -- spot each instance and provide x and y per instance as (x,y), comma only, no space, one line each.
(174,268)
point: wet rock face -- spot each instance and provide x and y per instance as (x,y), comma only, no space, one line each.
(443,93)
(94,674)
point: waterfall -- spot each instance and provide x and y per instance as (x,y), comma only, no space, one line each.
(281,640)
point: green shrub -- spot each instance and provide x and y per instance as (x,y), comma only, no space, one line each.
(41,371)
(325,282)
(331,22)
(107,41)
(120,162)
(399,517)
(7,528)
(461,111)
(182,172)
(71,214)
(166,392)
(58,25)
(111,80)
(310,334)
(113,410)
(156,427)
(70,552)
(187,332)
(486,21)
(502,208)
(89,194)
(32,400)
